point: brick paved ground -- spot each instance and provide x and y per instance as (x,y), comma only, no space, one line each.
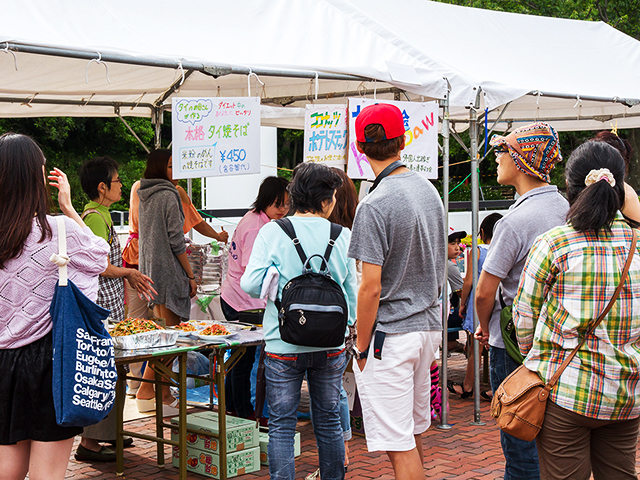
(463,452)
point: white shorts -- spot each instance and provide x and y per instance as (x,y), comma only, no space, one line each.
(395,392)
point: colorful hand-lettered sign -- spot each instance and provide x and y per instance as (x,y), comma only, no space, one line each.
(215,136)
(325,134)
(421,138)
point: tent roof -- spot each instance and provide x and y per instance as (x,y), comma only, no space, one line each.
(416,46)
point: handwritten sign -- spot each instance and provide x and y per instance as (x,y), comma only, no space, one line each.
(215,136)
(325,134)
(421,138)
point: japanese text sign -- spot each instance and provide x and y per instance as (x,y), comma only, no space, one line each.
(421,138)
(325,134)
(215,136)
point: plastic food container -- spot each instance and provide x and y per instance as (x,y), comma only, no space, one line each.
(155,338)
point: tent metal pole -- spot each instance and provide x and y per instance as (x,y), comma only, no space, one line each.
(157,127)
(146,149)
(629,102)
(460,142)
(213,70)
(289,99)
(31,100)
(444,131)
(493,126)
(173,88)
(475,202)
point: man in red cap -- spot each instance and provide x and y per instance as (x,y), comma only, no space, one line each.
(525,158)
(398,234)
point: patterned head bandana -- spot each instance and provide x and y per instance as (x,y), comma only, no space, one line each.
(535,149)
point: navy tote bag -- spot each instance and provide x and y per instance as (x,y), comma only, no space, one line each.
(84,371)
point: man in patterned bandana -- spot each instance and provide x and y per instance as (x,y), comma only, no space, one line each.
(525,157)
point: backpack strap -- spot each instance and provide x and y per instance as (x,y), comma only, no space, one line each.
(335,233)
(286,225)
(503,304)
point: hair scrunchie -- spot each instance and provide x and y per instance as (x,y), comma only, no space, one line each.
(601,174)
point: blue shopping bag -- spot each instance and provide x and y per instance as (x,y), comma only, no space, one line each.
(84,371)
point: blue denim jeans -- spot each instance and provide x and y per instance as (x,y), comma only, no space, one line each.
(284,374)
(345,415)
(521,457)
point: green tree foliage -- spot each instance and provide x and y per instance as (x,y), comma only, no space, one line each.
(67,142)
(623,15)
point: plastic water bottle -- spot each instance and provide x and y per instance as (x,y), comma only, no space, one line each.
(196,382)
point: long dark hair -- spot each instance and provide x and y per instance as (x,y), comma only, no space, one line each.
(594,207)
(157,162)
(23,194)
(273,191)
(346,201)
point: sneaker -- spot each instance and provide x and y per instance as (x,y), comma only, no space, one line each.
(103,455)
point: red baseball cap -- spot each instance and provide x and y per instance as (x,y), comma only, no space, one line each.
(384,114)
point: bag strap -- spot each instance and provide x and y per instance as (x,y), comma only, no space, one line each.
(335,233)
(61,259)
(384,173)
(93,210)
(623,278)
(286,225)
(503,304)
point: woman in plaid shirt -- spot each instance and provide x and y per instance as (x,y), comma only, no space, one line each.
(592,417)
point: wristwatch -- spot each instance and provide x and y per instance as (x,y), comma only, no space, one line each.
(357,354)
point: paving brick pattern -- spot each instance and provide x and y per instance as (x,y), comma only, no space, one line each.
(464,452)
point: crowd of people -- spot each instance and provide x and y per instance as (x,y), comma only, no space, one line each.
(549,265)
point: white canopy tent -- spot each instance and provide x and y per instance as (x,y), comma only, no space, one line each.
(127,58)
(586,73)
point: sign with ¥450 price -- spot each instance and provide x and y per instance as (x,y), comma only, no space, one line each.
(215,136)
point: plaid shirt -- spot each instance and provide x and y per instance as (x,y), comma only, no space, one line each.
(111,290)
(568,280)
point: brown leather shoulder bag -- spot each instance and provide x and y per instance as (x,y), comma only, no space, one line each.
(520,401)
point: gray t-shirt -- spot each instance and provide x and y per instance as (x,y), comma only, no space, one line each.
(454,277)
(534,213)
(401,227)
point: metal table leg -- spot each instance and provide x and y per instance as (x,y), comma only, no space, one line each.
(119,406)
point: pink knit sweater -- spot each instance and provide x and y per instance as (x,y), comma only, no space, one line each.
(27,282)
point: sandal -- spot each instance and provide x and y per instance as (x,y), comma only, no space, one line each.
(485,395)
(465,394)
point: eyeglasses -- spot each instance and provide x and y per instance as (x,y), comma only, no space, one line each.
(117,180)
(500,149)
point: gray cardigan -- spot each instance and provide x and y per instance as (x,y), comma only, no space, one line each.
(161,220)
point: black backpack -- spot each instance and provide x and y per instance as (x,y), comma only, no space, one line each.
(313,311)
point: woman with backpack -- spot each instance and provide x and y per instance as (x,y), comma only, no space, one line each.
(274,255)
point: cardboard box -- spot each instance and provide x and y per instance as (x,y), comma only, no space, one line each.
(264,442)
(208,464)
(241,433)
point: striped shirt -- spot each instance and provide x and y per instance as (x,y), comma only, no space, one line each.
(568,280)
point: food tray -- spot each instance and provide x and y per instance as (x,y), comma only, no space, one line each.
(155,338)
